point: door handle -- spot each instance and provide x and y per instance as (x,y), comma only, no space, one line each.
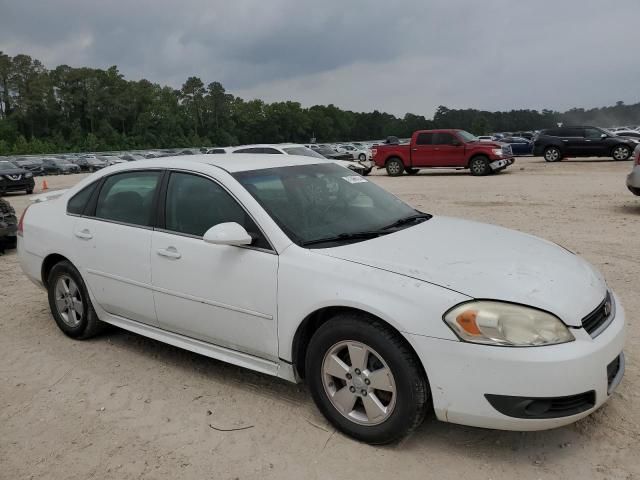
(565,140)
(85,234)
(169,252)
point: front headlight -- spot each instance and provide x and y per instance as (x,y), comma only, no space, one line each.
(497,152)
(507,324)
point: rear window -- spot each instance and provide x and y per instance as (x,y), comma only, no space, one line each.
(79,201)
(128,198)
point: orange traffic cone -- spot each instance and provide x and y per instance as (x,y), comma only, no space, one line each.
(45,187)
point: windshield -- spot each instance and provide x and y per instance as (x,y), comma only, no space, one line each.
(304,151)
(313,202)
(467,137)
(4,165)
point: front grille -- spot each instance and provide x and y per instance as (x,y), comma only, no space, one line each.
(597,321)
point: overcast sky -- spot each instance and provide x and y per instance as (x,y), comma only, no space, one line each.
(397,56)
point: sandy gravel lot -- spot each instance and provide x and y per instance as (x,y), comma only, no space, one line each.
(123,407)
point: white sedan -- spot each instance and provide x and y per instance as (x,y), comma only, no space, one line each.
(305,270)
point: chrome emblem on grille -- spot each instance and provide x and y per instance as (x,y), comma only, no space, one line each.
(15,178)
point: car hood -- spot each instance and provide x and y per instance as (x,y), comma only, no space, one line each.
(14,171)
(486,262)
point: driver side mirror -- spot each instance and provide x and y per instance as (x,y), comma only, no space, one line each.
(230,233)
(604,135)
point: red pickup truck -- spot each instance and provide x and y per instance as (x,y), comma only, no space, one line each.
(443,149)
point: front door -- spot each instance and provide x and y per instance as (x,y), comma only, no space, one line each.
(448,150)
(224,295)
(113,240)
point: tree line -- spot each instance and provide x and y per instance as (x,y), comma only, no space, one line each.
(90,109)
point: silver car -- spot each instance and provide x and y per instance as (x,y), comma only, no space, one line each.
(633,180)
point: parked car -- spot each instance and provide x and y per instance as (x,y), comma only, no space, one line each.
(33,165)
(95,163)
(519,145)
(361,154)
(383,309)
(554,144)
(443,149)
(296,149)
(633,180)
(57,166)
(8,226)
(82,162)
(628,133)
(487,138)
(15,179)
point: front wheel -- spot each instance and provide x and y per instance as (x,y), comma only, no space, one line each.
(621,153)
(479,166)
(362,157)
(69,302)
(365,379)
(395,167)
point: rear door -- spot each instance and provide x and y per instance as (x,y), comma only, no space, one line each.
(113,241)
(422,150)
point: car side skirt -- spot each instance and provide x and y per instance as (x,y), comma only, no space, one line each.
(277,369)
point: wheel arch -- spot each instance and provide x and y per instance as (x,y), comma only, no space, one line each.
(48,263)
(312,322)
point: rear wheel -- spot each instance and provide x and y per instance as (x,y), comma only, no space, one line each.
(365,379)
(552,154)
(479,166)
(621,152)
(395,167)
(69,302)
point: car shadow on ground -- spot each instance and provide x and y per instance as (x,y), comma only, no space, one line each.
(628,208)
(532,448)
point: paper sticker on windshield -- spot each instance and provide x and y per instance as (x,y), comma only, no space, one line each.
(355,179)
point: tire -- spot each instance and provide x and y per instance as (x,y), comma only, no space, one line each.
(73,323)
(405,391)
(552,154)
(479,166)
(621,152)
(395,167)
(362,157)
(411,171)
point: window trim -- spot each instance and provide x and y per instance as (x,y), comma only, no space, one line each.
(160,225)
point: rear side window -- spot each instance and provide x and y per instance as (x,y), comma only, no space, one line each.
(79,201)
(128,198)
(272,151)
(248,150)
(424,139)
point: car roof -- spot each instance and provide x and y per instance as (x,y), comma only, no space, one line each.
(236,162)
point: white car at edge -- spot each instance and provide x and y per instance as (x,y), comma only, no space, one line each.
(303,270)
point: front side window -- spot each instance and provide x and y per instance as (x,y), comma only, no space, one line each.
(593,133)
(443,139)
(315,202)
(194,204)
(128,198)
(79,201)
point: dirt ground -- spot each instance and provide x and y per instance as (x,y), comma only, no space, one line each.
(122,406)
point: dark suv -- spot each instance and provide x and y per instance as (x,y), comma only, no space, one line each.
(8,226)
(556,143)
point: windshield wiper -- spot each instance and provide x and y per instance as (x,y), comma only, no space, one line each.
(407,220)
(345,237)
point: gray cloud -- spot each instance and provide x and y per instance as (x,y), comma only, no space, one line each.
(400,56)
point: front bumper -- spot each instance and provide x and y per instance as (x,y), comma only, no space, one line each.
(633,181)
(462,374)
(17,185)
(501,163)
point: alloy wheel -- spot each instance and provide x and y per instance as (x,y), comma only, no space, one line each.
(359,383)
(69,301)
(621,153)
